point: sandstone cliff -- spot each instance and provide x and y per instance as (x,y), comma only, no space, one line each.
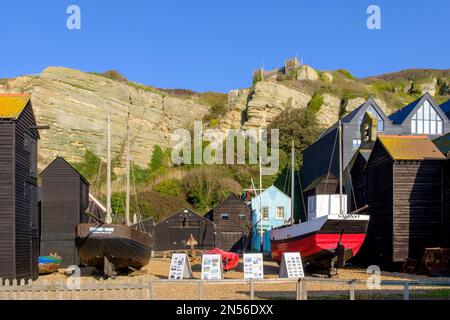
(75,105)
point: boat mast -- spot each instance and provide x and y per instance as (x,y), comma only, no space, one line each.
(341,200)
(260,207)
(127,200)
(292,181)
(108,176)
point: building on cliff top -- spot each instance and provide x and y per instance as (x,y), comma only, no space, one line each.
(272,75)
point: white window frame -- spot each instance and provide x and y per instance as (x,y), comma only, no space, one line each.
(262,213)
(283,215)
(427,121)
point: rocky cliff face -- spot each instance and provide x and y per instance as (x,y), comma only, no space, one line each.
(75,105)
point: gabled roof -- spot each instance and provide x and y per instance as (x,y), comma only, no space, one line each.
(12,105)
(410,147)
(230,198)
(445,107)
(349,117)
(61,159)
(402,114)
(330,176)
(186,211)
(271,188)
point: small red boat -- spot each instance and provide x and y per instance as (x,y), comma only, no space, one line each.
(230,260)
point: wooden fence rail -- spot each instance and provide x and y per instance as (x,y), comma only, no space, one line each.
(140,289)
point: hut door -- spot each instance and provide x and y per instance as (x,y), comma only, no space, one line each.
(179,237)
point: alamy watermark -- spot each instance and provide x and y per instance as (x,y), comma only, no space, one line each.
(374,20)
(73,22)
(192,150)
(374,280)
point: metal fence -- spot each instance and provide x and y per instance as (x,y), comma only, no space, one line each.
(229,289)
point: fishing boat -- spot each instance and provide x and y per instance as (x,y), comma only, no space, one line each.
(113,247)
(330,236)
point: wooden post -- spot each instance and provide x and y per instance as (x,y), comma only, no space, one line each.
(352,290)
(252,290)
(32,289)
(14,289)
(102,287)
(299,289)
(7,295)
(406,291)
(45,289)
(62,287)
(140,289)
(22,289)
(150,290)
(200,290)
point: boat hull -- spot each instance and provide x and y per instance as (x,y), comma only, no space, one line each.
(122,246)
(321,241)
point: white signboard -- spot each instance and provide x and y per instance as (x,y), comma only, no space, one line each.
(212,268)
(253,266)
(291,266)
(179,267)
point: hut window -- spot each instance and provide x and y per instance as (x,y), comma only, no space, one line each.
(225,216)
(280,213)
(265,213)
(356,143)
(242,216)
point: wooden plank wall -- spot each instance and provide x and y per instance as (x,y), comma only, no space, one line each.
(235,232)
(418,208)
(26,197)
(7,195)
(64,201)
(377,184)
(173,232)
(446,219)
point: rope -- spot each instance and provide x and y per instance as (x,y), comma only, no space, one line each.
(331,160)
(301,192)
(353,191)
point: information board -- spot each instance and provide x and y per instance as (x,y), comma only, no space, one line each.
(253,266)
(212,268)
(180,267)
(291,266)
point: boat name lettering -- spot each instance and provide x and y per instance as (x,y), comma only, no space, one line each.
(101,230)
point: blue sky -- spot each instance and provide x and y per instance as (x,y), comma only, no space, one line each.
(214,45)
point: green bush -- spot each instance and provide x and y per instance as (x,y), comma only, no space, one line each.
(172,187)
(346,74)
(316,103)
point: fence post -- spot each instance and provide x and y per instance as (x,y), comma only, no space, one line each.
(150,290)
(200,290)
(352,290)
(299,288)
(22,289)
(31,293)
(15,289)
(406,291)
(252,290)
(45,289)
(140,289)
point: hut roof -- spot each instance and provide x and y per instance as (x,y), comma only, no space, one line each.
(410,147)
(12,105)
